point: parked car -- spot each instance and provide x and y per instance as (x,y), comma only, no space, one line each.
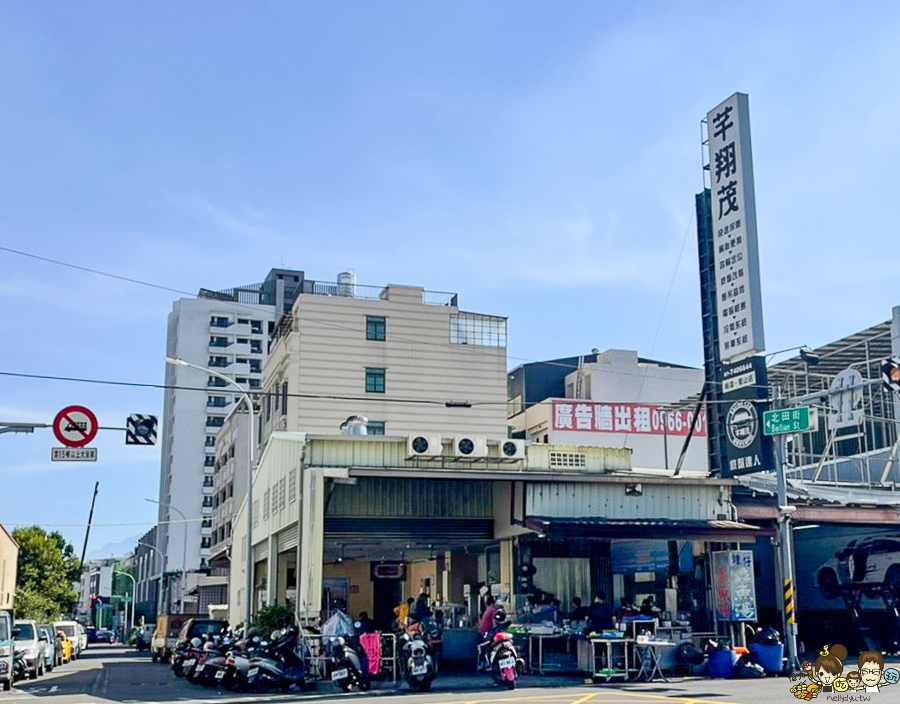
(30,642)
(91,634)
(73,631)
(872,562)
(106,637)
(166,635)
(82,636)
(50,649)
(7,649)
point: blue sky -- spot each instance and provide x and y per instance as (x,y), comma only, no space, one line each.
(539,158)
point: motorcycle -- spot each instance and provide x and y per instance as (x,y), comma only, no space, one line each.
(186,657)
(215,661)
(237,664)
(502,659)
(20,667)
(348,669)
(278,664)
(418,662)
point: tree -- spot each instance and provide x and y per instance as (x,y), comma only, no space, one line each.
(47,569)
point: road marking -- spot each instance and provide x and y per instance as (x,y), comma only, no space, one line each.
(586,698)
(669,698)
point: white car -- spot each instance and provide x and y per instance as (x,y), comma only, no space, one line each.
(872,562)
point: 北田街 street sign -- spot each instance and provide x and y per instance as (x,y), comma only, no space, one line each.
(790,420)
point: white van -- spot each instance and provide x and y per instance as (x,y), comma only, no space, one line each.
(74,632)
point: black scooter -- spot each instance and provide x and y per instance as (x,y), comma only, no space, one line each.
(278,665)
(348,669)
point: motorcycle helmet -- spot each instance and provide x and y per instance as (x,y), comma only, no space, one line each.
(196,642)
(337,647)
(499,616)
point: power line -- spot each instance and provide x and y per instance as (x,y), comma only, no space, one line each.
(94,271)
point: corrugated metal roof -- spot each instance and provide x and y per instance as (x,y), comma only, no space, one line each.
(379,497)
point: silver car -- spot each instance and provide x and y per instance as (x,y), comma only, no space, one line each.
(30,641)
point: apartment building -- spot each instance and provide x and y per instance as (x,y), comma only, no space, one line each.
(226,331)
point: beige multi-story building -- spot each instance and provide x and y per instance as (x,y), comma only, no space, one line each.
(9,564)
(407,359)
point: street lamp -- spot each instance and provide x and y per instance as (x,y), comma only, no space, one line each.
(159,596)
(183,549)
(133,596)
(249,403)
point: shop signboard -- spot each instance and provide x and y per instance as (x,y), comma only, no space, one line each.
(734,585)
(736,255)
(746,448)
(627,418)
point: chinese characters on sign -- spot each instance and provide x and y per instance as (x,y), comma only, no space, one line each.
(631,418)
(738,297)
(734,585)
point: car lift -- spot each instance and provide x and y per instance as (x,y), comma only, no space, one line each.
(852,594)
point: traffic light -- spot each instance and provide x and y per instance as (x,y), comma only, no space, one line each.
(140,430)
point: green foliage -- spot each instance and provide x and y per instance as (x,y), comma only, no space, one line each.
(47,568)
(274,616)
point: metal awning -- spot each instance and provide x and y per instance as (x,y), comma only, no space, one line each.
(649,528)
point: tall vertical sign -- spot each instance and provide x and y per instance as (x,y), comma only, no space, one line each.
(733,211)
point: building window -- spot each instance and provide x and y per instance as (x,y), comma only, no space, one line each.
(266,505)
(243,321)
(217,401)
(209,461)
(215,421)
(375,327)
(477,330)
(217,341)
(218,361)
(374,380)
(375,427)
(255,383)
(256,327)
(216,381)
(256,346)
(284,397)
(282,494)
(292,485)
(217,321)
(210,440)
(255,366)
(567,460)
(255,516)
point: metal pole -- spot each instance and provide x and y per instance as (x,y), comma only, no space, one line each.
(87,534)
(786,544)
(250,454)
(159,594)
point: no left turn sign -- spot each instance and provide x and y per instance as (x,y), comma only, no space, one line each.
(75,426)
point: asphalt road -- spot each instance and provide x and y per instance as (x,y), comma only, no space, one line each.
(110,673)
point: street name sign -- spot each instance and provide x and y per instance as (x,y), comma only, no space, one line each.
(790,420)
(74,454)
(75,426)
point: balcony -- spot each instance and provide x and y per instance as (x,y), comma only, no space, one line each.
(219,322)
(217,402)
(218,362)
(216,381)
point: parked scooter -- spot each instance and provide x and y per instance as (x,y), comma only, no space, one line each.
(278,665)
(20,667)
(237,663)
(418,661)
(503,661)
(215,662)
(185,658)
(348,669)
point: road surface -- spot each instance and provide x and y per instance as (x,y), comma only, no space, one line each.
(111,673)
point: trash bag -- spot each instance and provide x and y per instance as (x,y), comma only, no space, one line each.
(714,644)
(748,668)
(689,653)
(768,636)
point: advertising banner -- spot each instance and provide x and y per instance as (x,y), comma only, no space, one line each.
(631,418)
(734,585)
(735,252)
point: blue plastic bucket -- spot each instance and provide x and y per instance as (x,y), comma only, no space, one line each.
(771,657)
(721,663)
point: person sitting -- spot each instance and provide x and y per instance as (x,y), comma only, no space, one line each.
(649,608)
(499,623)
(600,614)
(626,609)
(579,613)
(486,622)
(421,610)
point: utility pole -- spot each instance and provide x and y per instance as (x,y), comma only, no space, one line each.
(786,545)
(87,534)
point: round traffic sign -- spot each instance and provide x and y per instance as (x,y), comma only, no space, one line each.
(75,426)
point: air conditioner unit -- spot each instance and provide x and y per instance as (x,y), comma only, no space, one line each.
(471,446)
(512,449)
(421,445)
